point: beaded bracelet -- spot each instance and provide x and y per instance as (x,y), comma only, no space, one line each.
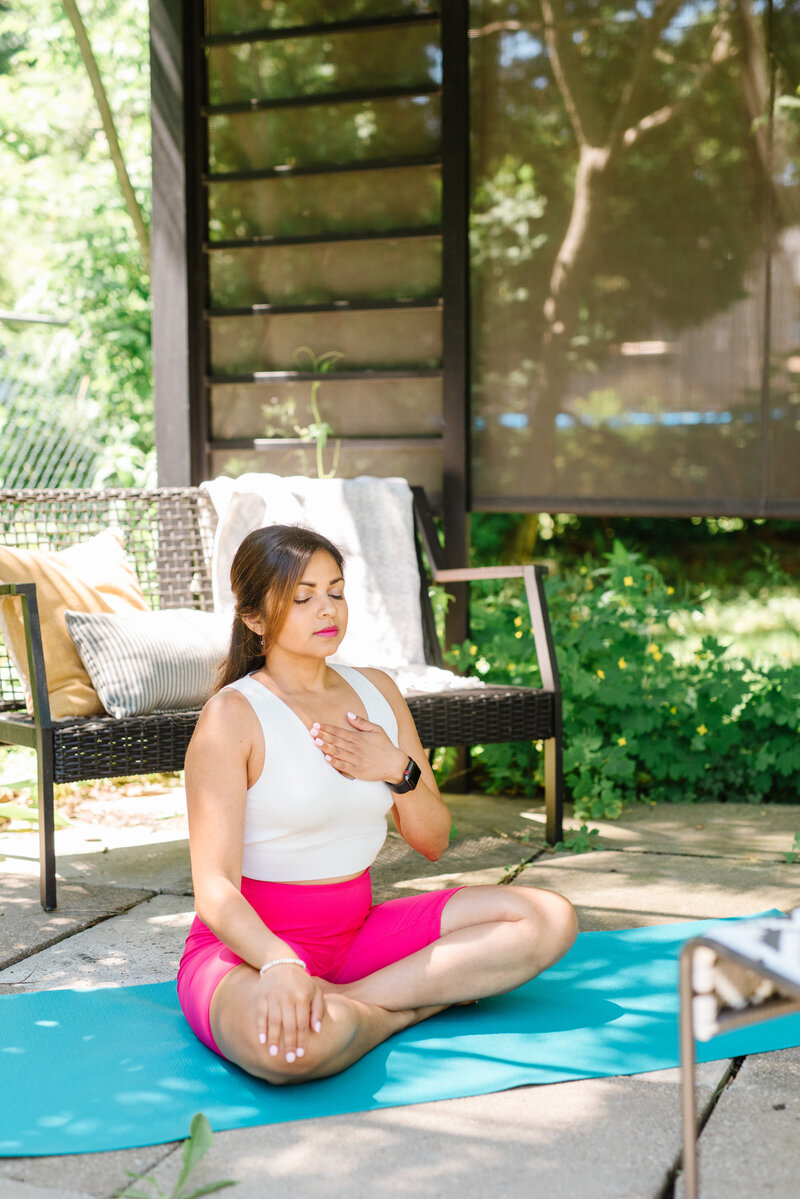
(282,962)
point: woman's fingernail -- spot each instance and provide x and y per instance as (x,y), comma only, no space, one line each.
(317,1026)
(319,741)
(352,715)
(273,1051)
(290,1057)
(262,1036)
(315,727)
(300,1051)
(327,757)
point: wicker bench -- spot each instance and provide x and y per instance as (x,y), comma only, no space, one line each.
(168,534)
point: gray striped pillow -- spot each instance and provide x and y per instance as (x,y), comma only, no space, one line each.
(144,662)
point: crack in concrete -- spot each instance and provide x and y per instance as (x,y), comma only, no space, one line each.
(171,1148)
(14,959)
(675,1170)
(515,871)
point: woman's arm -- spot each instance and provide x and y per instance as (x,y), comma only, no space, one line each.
(225,744)
(217,760)
(421,816)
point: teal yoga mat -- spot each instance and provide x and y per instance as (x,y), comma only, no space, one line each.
(115,1068)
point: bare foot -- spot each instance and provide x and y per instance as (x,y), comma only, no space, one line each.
(406,1016)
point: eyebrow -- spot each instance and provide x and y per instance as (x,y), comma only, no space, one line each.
(338,579)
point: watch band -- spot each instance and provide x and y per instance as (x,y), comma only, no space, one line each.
(411,776)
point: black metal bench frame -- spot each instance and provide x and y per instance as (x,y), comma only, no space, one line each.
(168,536)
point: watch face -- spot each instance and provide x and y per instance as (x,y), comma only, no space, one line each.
(412,774)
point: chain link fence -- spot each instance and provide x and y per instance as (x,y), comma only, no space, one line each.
(51,428)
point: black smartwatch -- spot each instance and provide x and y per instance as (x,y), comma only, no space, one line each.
(411,776)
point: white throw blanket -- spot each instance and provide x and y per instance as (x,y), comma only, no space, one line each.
(371,522)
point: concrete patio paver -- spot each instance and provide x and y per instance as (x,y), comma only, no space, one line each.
(140,845)
(560,1141)
(754,1131)
(141,945)
(25,928)
(11,1189)
(751,831)
(616,889)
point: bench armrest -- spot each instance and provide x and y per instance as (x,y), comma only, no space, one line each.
(533,577)
(34,650)
(532,574)
(470,574)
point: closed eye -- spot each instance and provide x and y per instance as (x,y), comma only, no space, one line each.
(333,595)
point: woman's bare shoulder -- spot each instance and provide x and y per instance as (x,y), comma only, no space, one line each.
(384,682)
(227,712)
(387,687)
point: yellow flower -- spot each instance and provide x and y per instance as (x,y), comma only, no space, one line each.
(473,649)
(702,730)
(601,674)
(628,580)
(621,741)
(673,710)
(657,656)
(518,633)
(622,664)
(517,621)
(670,591)
(652,649)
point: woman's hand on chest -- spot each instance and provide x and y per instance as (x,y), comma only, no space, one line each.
(359,750)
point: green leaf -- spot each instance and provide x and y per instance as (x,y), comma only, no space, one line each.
(195,1147)
(129,1193)
(207,1190)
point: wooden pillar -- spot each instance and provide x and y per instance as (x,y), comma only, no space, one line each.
(174,200)
(455,269)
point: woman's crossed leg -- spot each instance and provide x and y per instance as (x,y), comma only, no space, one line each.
(492,940)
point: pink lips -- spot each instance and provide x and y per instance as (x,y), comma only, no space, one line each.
(331,631)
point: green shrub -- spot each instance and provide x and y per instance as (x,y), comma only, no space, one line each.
(639,722)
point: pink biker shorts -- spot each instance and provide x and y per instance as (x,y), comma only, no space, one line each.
(333,927)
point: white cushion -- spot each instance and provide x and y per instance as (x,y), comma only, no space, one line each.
(145,662)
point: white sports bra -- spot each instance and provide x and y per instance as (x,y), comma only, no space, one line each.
(304,820)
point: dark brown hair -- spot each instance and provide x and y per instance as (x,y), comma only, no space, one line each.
(265,572)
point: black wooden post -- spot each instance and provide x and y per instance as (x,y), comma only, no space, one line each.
(174,68)
(456,329)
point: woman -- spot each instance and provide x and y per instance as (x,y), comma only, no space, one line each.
(289,971)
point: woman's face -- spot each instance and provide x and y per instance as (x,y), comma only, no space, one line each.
(317,618)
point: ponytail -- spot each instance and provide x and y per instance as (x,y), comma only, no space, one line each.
(245,654)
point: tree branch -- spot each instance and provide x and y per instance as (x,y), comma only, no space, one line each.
(722,48)
(496,27)
(662,15)
(566,71)
(109,128)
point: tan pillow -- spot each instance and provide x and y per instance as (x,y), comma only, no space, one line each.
(93,576)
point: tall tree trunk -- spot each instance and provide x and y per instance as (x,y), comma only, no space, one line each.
(109,128)
(601,145)
(567,280)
